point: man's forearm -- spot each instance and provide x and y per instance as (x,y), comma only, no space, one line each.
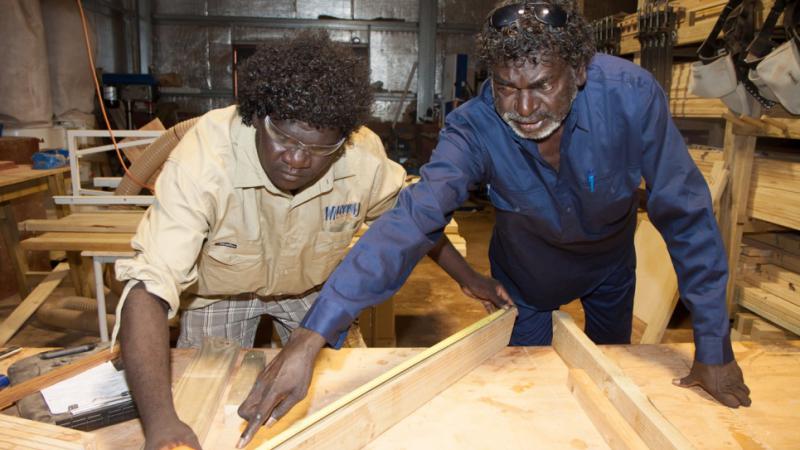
(144,337)
(448,258)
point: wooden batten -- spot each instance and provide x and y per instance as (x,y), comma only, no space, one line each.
(617,433)
(24,434)
(578,352)
(32,302)
(198,393)
(357,418)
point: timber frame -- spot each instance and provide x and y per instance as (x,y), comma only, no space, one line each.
(623,415)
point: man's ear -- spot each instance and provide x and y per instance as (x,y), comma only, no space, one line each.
(580,76)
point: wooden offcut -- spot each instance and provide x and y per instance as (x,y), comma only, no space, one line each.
(31,303)
(198,393)
(10,395)
(24,434)
(656,282)
(578,352)
(357,418)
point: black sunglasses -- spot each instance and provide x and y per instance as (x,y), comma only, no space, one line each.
(545,13)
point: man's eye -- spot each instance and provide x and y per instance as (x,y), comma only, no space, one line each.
(507,89)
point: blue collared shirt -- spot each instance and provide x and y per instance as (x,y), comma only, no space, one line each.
(558,234)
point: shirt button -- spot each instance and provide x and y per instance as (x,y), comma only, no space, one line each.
(516,209)
(569,209)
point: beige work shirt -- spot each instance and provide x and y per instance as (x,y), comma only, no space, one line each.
(219,227)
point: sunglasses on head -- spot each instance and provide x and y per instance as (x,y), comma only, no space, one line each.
(548,14)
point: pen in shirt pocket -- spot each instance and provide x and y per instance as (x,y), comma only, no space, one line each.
(590,179)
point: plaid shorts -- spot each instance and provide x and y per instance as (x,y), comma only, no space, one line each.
(237,320)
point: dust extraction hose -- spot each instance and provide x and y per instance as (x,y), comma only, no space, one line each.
(153,158)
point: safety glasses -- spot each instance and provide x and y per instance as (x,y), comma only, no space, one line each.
(545,13)
(288,142)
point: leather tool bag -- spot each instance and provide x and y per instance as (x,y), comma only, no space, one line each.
(777,75)
(721,72)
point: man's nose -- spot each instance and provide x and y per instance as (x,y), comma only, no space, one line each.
(526,103)
(297,158)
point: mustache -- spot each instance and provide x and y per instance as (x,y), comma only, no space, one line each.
(514,116)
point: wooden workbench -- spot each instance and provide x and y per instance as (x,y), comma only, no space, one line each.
(15,184)
(519,399)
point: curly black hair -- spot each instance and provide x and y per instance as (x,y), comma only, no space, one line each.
(527,39)
(308,78)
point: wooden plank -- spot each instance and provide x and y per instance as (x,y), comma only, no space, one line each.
(763,331)
(775,280)
(771,307)
(112,222)
(24,172)
(359,417)
(785,242)
(19,433)
(617,433)
(656,283)
(580,353)
(10,395)
(739,154)
(253,363)
(31,303)
(77,242)
(198,393)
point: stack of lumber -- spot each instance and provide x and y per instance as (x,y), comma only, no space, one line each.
(705,157)
(769,276)
(696,18)
(775,190)
(750,327)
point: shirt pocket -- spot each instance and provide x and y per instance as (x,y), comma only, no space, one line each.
(607,203)
(524,202)
(329,249)
(228,270)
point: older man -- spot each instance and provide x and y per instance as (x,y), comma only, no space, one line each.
(562,137)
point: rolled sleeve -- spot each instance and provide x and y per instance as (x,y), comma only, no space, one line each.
(169,238)
(679,205)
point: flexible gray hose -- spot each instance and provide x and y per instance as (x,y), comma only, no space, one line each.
(153,157)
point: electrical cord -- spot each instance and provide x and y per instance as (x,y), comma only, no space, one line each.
(100,100)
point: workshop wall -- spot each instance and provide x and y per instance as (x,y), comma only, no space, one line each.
(187,41)
(50,79)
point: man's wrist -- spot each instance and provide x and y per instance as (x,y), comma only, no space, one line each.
(306,339)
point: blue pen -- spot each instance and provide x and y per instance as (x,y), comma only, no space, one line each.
(590,179)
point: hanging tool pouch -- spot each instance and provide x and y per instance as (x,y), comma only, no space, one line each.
(722,71)
(776,72)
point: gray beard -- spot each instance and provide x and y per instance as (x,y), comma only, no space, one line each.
(552,121)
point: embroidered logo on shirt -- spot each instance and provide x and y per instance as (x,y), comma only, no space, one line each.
(226,244)
(336,211)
